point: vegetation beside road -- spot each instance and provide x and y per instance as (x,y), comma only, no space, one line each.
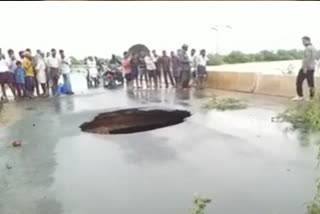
(223,104)
(305,118)
(263,56)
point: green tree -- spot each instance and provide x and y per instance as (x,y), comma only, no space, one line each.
(75,61)
(215,59)
(283,55)
(236,57)
(268,55)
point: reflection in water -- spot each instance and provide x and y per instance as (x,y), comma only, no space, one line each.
(182,97)
(183,94)
(145,96)
(63,104)
(200,94)
(150,149)
(167,96)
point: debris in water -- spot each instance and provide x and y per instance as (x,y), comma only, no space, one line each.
(223,104)
(199,204)
(8,166)
(16,143)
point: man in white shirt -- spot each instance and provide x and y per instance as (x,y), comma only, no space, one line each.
(193,58)
(6,77)
(151,69)
(12,62)
(54,73)
(65,64)
(46,60)
(92,72)
(201,64)
(41,73)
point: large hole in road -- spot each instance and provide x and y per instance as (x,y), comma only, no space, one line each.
(133,120)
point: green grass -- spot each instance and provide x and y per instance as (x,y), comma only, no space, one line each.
(223,104)
(313,206)
(304,117)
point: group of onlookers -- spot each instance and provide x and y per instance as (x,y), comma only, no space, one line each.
(178,68)
(25,74)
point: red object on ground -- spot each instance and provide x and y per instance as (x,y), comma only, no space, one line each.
(16,143)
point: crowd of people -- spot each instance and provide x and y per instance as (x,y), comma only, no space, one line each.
(25,74)
(30,75)
(179,69)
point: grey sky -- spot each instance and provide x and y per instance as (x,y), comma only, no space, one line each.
(102,28)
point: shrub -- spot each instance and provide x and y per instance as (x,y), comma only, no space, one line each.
(304,117)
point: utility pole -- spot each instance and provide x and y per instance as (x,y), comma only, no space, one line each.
(217,29)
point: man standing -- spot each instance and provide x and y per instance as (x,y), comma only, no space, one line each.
(65,64)
(134,68)
(307,69)
(12,59)
(142,69)
(21,56)
(34,64)
(41,74)
(165,66)
(12,62)
(201,64)
(185,67)
(156,60)
(54,74)
(30,74)
(126,68)
(5,78)
(193,66)
(176,68)
(37,56)
(92,72)
(49,82)
(151,70)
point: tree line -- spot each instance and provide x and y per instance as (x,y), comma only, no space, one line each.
(265,55)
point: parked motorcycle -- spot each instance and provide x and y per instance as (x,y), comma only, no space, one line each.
(112,77)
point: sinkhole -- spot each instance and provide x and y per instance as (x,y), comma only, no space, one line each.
(133,120)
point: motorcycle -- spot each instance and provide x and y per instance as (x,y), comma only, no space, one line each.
(112,77)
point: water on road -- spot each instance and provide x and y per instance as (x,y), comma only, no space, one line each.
(240,159)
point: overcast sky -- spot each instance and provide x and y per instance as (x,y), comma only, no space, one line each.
(102,28)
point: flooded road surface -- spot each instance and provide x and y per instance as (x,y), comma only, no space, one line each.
(241,160)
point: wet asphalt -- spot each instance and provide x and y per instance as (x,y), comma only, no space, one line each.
(243,161)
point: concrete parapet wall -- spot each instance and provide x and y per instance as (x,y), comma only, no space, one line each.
(275,85)
(234,81)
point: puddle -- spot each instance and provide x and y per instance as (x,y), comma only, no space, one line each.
(133,120)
